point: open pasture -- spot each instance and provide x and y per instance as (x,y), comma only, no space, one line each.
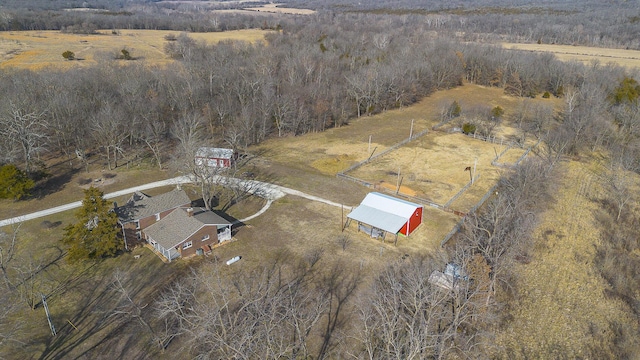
(36,50)
(585,54)
(334,150)
(433,168)
(279,9)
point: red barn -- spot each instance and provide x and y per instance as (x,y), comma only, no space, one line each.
(214,157)
(379,213)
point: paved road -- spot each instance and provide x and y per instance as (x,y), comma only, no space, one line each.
(268,191)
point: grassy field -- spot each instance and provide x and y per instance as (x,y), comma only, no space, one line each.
(67,183)
(278,9)
(626,58)
(431,167)
(563,307)
(39,49)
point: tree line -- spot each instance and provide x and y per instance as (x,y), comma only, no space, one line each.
(308,77)
(586,22)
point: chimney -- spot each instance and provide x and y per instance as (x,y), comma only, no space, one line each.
(190,212)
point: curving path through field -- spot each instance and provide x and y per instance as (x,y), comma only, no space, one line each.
(265,190)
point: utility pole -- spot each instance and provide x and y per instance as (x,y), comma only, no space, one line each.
(46,310)
(474,170)
(369,150)
(411,131)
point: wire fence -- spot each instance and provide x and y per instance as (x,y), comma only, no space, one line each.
(464,188)
(446,207)
(414,199)
(486,197)
(495,140)
(393,147)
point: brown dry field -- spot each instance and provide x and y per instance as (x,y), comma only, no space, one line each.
(562,298)
(40,49)
(431,167)
(626,58)
(275,8)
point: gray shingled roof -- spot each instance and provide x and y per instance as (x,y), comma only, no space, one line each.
(140,205)
(174,228)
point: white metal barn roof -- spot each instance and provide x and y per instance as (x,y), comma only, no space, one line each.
(384,212)
(214,153)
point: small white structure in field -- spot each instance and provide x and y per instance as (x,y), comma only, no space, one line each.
(233,260)
(215,157)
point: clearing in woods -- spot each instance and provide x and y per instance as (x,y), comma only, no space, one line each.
(36,50)
(431,167)
(585,54)
(562,299)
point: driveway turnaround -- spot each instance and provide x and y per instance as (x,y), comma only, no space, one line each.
(265,190)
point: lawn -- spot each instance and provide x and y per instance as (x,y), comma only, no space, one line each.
(80,296)
(66,184)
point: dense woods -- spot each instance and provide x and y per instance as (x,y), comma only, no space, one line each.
(319,72)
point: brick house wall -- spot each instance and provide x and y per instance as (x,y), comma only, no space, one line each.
(197,242)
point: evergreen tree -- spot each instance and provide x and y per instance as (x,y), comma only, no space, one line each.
(95,234)
(14,183)
(454,109)
(627,92)
(69,55)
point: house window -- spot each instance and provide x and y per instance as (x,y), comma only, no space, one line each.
(137,224)
(187,245)
(205,237)
(158,217)
(138,235)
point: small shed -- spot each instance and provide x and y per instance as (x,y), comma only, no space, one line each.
(215,157)
(378,214)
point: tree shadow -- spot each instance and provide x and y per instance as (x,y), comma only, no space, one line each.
(53,184)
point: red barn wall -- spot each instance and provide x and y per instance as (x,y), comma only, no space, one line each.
(414,222)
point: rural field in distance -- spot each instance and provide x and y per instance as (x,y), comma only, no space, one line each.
(585,54)
(39,49)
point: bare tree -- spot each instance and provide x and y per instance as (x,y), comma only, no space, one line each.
(7,254)
(28,130)
(190,134)
(619,182)
(273,312)
(110,131)
(408,316)
(154,135)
